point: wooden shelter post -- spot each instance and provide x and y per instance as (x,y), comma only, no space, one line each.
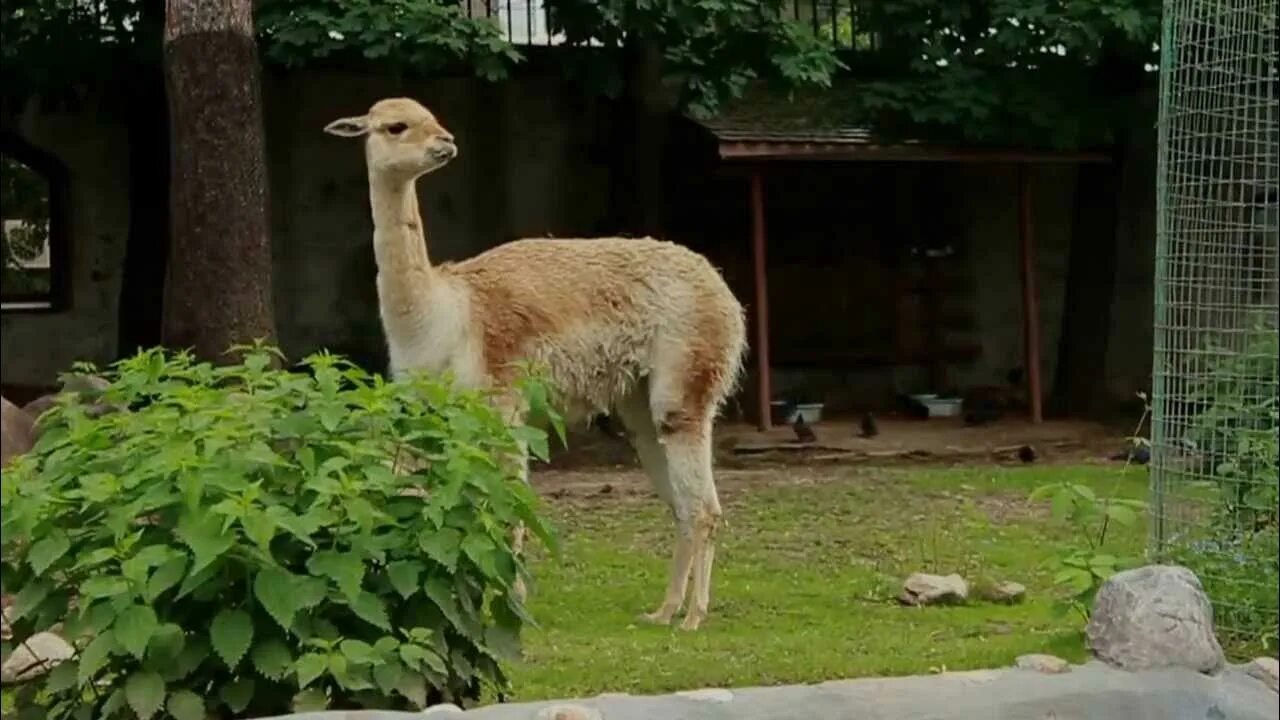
(764,421)
(1030,298)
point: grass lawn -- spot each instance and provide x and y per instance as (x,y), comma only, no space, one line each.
(808,564)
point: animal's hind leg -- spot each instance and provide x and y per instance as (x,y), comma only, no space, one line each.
(643,432)
(697,508)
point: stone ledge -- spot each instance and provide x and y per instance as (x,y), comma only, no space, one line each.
(1094,690)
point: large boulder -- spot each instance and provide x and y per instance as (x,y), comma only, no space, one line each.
(925,589)
(16,431)
(34,657)
(1156,616)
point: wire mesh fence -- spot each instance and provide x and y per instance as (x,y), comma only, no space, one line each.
(1214,431)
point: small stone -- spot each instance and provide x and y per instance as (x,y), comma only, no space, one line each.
(16,431)
(441,709)
(1267,670)
(924,589)
(1008,592)
(1156,616)
(1048,664)
(568,712)
(713,695)
(6,630)
(35,657)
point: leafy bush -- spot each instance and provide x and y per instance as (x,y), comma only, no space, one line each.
(1236,548)
(245,540)
(1086,566)
(1090,562)
(1237,422)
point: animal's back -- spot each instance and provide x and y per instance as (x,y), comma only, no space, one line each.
(599,313)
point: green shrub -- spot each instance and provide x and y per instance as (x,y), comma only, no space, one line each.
(1236,547)
(239,542)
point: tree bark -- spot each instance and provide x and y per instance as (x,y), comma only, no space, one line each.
(218,292)
(1091,276)
(638,173)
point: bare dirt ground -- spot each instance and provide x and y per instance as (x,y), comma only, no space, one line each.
(599,468)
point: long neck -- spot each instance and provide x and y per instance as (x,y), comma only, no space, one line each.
(398,242)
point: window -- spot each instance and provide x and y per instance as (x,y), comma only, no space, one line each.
(32,218)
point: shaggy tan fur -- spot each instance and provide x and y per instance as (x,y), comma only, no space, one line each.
(642,329)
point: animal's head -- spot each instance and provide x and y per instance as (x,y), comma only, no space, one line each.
(402,138)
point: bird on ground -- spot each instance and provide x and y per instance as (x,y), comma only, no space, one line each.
(1135,453)
(804,433)
(1027,454)
(868,428)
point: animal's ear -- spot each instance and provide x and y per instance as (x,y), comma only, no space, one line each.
(348,126)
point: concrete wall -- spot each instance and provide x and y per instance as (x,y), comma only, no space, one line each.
(36,347)
(522,171)
(532,163)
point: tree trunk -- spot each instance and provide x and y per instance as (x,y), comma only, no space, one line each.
(638,180)
(1091,276)
(218,292)
(147,248)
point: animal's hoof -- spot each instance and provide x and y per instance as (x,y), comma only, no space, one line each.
(691,622)
(656,618)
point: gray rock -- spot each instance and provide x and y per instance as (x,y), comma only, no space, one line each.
(924,589)
(1048,664)
(442,710)
(568,712)
(16,428)
(1156,616)
(1094,690)
(1265,669)
(6,630)
(39,654)
(37,407)
(713,695)
(1008,592)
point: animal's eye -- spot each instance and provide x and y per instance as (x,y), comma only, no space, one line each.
(397,128)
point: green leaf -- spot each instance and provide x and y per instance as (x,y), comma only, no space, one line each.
(134,628)
(145,693)
(29,598)
(369,607)
(442,545)
(1084,491)
(61,678)
(272,659)
(358,651)
(388,676)
(237,694)
(167,643)
(480,549)
(186,705)
(204,535)
(276,590)
(103,586)
(346,569)
(1074,579)
(47,551)
(403,575)
(309,667)
(260,527)
(1042,492)
(231,632)
(309,701)
(95,655)
(1122,515)
(169,573)
(195,650)
(440,590)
